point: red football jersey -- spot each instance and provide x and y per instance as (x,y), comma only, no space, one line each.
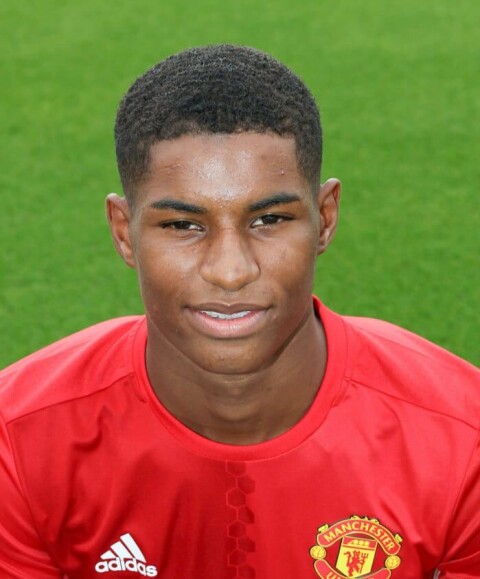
(381,477)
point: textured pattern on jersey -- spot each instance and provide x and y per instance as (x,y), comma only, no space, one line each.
(239,544)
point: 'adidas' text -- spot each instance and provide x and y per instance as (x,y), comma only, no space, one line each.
(126,565)
(125,555)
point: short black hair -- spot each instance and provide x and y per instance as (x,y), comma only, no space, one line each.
(215,89)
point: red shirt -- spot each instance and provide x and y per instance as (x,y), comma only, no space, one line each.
(381,477)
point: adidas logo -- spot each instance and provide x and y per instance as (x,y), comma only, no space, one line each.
(125,555)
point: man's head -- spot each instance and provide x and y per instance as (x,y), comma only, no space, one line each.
(220,89)
(219,150)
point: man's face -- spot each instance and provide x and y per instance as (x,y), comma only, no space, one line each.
(224,237)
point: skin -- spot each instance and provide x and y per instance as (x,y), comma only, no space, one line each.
(228,223)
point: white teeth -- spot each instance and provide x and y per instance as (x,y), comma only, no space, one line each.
(226,316)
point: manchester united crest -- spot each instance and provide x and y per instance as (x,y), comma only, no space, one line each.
(356,547)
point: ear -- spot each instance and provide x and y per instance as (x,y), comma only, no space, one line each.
(328,200)
(119,216)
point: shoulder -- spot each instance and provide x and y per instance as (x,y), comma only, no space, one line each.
(395,362)
(73,367)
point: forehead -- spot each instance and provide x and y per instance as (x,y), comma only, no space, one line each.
(223,166)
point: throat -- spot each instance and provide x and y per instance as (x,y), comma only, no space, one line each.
(243,411)
(243,414)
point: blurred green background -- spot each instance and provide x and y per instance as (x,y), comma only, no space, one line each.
(397,84)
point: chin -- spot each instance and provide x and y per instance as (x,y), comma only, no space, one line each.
(230,363)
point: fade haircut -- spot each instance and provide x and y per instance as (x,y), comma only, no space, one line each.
(215,89)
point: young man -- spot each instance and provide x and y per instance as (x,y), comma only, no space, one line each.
(239,429)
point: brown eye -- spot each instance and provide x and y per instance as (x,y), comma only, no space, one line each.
(182,226)
(270,219)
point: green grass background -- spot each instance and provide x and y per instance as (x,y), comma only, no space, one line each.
(397,82)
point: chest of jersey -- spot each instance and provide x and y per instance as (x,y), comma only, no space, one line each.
(124,497)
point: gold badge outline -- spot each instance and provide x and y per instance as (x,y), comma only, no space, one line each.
(329,534)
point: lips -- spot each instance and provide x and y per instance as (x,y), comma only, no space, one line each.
(227,320)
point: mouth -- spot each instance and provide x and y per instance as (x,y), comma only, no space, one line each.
(228,321)
(220,316)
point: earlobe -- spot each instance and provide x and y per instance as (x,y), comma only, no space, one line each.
(328,204)
(118,217)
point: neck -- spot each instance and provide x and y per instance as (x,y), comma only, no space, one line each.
(242,408)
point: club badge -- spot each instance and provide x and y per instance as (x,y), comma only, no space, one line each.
(356,547)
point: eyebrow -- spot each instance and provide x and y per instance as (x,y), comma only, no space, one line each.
(177,205)
(277,199)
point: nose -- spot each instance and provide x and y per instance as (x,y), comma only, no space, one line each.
(229,262)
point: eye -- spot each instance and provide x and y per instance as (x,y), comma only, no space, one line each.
(270,219)
(182,225)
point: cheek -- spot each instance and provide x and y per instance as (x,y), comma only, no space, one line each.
(163,274)
(294,261)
